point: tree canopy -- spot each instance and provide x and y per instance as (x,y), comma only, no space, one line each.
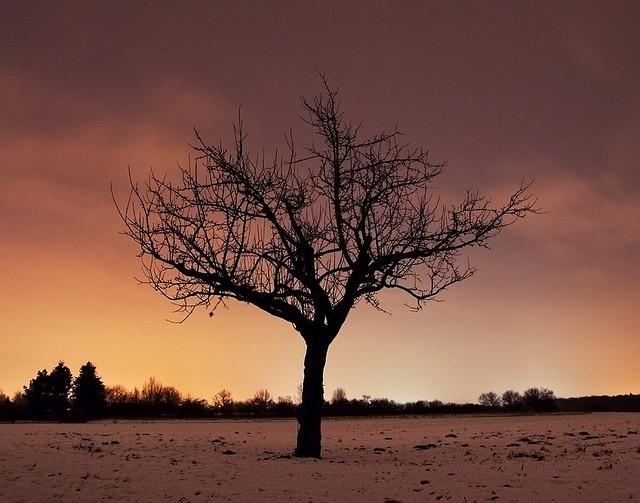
(309,233)
(89,392)
(48,393)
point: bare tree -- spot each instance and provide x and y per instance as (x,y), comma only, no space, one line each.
(117,394)
(262,399)
(511,399)
(490,399)
(339,395)
(308,234)
(539,399)
(152,390)
(223,399)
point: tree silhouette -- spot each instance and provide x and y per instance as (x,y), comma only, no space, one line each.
(159,399)
(490,399)
(37,394)
(539,399)
(20,405)
(339,395)
(339,402)
(119,400)
(511,400)
(88,393)
(308,234)
(6,407)
(223,401)
(262,400)
(116,394)
(48,394)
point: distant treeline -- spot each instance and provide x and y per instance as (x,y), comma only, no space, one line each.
(600,403)
(58,396)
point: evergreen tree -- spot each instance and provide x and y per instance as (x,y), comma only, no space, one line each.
(37,394)
(48,394)
(6,407)
(60,380)
(89,393)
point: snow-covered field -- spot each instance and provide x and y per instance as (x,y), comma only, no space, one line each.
(573,458)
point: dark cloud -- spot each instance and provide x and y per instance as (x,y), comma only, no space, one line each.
(473,82)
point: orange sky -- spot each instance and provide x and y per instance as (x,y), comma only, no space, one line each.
(502,91)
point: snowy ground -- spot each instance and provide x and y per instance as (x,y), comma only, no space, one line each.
(585,458)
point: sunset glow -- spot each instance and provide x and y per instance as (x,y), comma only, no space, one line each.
(502,91)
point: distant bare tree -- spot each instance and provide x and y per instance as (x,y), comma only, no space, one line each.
(116,393)
(539,399)
(511,399)
(489,399)
(151,390)
(308,234)
(262,398)
(339,395)
(222,399)
(159,397)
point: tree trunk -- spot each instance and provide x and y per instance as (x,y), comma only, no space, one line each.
(310,410)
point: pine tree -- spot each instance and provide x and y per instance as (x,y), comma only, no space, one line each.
(60,380)
(89,393)
(48,394)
